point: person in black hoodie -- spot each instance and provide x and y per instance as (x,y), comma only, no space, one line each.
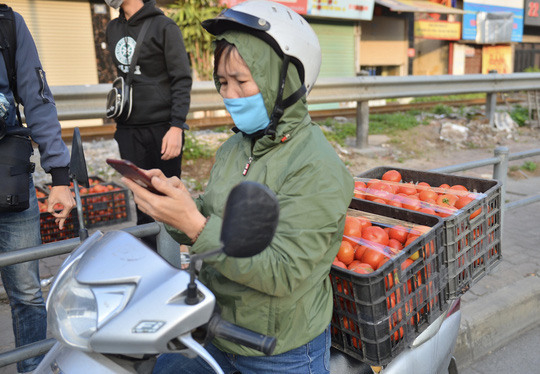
(153,135)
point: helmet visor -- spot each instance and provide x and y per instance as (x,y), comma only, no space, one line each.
(223,22)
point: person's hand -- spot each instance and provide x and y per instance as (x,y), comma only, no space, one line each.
(60,195)
(175,208)
(171,145)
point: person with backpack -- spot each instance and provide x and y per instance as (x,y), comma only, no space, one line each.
(22,81)
(152,135)
(266,60)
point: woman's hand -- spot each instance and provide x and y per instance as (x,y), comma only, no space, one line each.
(175,208)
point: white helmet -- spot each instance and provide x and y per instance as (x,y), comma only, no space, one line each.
(292,34)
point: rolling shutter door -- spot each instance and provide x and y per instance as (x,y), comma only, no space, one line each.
(63,34)
(337,41)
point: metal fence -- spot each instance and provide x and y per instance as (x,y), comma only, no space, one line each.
(88,101)
(170,251)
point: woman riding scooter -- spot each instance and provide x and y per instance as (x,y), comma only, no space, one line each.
(267,59)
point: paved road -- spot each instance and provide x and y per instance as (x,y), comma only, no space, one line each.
(518,356)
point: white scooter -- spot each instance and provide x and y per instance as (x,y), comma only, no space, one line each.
(115,305)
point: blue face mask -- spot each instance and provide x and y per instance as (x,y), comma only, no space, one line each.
(248,113)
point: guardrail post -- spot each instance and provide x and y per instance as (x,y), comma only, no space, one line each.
(491,103)
(500,172)
(362,124)
(167,247)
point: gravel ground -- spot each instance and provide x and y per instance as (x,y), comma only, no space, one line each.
(95,153)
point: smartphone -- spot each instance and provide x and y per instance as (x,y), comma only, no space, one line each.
(129,170)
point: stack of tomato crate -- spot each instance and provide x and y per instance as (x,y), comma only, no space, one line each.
(442,235)
(103,203)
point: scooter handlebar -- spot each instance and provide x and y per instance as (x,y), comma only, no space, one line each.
(236,334)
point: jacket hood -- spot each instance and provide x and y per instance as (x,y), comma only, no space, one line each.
(265,67)
(148,10)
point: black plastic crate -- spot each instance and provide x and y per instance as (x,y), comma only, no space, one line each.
(377,315)
(111,206)
(473,246)
(104,203)
(49,228)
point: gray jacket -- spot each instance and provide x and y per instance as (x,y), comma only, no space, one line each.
(39,107)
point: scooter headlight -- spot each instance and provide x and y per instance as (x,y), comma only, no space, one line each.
(76,311)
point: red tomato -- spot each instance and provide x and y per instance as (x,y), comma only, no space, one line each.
(353,264)
(379,190)
(346,253)
(446,211)
(375,234)
(371,181)
(422,186)
(359,185)
(428,203)
(428,194)
(363,269)
(359,252)
(419,230)
(392,176)
(410,239)
(360,190)
(408,262)
(364,221)
(339,264)
(399,233)
(395,244)
(411,202)
(353,227)
(427,211)
(373,257)
(382,262)
(459,187)
(407,188)
(463,201)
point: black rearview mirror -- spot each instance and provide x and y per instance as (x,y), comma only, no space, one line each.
(79,175)
(250,220)
(77,166)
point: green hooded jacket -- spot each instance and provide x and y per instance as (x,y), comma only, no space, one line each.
(285,290)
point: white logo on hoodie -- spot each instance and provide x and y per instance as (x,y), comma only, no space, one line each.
(124,53)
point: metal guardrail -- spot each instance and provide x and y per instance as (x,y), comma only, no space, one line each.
(169,250)
(88,101)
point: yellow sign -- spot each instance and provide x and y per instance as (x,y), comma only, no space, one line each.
(442,30)
(497,58)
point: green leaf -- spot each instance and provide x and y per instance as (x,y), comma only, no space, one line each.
(188,15)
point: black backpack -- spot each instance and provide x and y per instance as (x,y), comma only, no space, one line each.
(8,47)
(15,151)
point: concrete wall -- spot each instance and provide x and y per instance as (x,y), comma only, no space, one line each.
(431,57)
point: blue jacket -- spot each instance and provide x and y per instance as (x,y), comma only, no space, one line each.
(39,107)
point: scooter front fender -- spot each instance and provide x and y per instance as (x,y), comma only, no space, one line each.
(62,359)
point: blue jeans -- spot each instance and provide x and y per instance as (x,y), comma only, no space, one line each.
(21,281)
(311,358)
